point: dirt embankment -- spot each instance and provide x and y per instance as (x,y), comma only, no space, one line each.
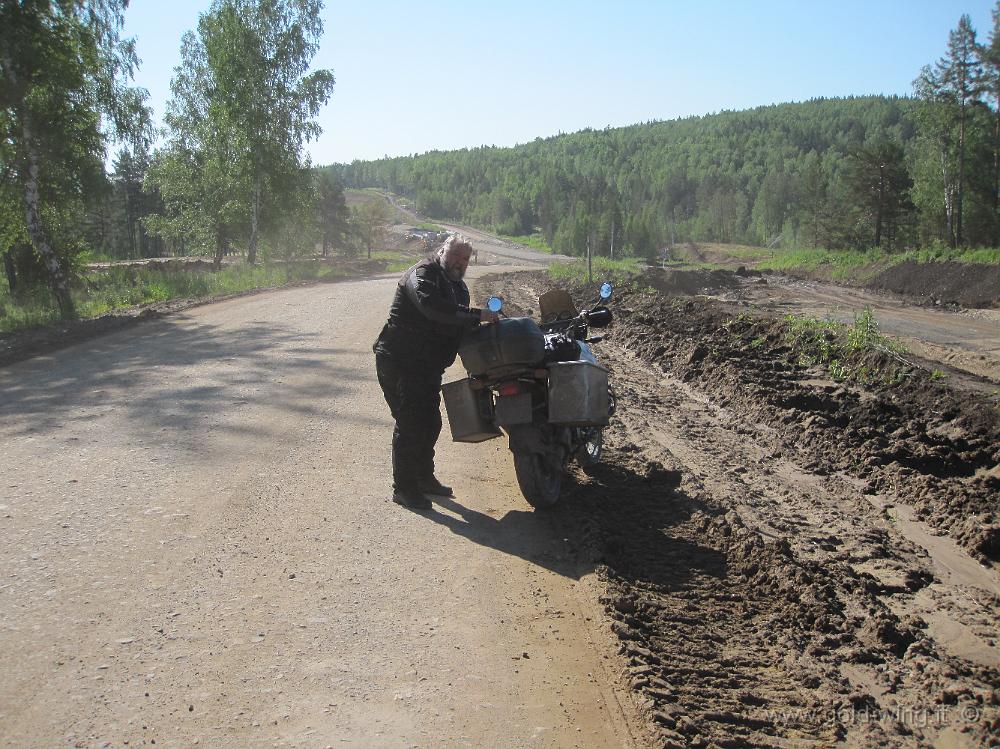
(949,284)
(964,284)
(946,283)
(762,584)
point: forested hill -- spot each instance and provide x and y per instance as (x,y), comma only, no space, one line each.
(796,173)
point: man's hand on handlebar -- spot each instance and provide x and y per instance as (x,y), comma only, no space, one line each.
(487,316)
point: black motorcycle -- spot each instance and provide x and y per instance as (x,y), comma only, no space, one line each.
(539,383)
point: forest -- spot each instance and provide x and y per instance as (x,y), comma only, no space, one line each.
(229,174)
(860,172)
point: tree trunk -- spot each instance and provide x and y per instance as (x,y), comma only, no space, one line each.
(254,217)
(879,208)
(996,175)
(949,203)
(220,250)
(961,178)
(8,266)
(57,276)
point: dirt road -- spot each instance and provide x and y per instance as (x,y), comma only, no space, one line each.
(200,549)
(199,546)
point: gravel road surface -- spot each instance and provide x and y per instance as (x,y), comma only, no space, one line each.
(200,548)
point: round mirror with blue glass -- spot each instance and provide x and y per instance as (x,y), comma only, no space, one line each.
(494,304)
(606,289)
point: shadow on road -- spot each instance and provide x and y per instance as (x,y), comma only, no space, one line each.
(177,376)
(617,518)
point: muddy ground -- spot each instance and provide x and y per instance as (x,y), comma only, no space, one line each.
(964,284)
(789,560)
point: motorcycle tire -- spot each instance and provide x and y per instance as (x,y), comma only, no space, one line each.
(589,453)
(539,479)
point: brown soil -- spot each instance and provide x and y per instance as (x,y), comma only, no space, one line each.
(773,542)
(970,285)
(964,284)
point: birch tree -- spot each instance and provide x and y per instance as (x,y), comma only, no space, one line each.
(243,105)
(63,96)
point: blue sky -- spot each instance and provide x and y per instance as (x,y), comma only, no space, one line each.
(424,75)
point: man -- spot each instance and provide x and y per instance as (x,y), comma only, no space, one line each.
(429,314)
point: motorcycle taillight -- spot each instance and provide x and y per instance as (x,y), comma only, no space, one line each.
(512,387)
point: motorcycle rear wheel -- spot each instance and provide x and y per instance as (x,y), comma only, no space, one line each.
(539,479)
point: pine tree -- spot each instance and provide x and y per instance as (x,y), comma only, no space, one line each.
(954,83)
(989,56)
(879,183)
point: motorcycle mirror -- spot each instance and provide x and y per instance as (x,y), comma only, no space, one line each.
(494,304)
(606,289)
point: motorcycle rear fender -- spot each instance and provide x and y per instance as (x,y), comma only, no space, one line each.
(535,438)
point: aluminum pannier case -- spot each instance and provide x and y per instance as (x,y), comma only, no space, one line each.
(470,412)
(578,394)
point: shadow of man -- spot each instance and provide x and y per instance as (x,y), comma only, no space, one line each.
(524,534)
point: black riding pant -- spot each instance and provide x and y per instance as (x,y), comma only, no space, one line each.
(414,397)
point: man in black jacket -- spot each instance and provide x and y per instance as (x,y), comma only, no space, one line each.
(429,314)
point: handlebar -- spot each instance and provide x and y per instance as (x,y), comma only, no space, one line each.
(599,317)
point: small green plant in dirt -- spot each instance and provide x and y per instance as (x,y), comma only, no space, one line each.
(937,375)
(857,352)
(742,320)
(747,328)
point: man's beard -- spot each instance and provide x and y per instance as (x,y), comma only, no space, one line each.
(455,274)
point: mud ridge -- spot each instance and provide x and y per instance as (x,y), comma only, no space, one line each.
(914,438)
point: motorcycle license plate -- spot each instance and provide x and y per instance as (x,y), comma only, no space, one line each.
(513,409)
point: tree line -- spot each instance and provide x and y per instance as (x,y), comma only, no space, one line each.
(859,172)
(231,175)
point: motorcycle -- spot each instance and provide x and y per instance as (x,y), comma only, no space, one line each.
(539,383)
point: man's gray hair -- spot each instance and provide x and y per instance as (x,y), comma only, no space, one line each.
(452,243)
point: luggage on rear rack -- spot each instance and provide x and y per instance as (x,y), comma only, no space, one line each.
(502,348)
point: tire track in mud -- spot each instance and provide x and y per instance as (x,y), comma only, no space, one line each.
(806,556)
(760,599)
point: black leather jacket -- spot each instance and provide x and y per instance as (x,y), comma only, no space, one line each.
(428,316)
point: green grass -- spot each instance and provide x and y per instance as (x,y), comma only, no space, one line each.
(842,263)
(849,352)
(535,241)
(989,256)
(128,286)
(426,226)
(395,261)
(616,271)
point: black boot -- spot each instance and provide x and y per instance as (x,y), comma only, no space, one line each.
(411,498)
(435,487)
